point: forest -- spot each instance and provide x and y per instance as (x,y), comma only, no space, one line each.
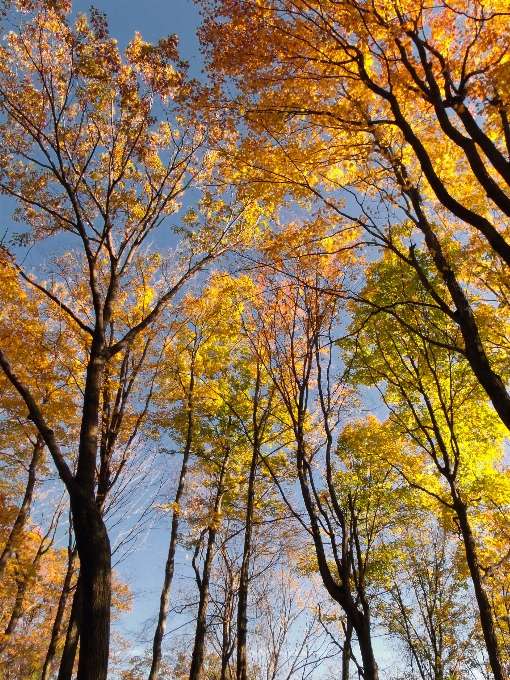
(255,344)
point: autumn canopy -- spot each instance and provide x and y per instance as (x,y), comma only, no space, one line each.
(255,344)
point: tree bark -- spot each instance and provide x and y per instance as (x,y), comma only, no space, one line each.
(95,571)
(242,606)
(227,645)
(24,510)
(57,624)
(484,607)
(346,650)
(92,538)
(197,659)
(90,615)
(170,561)
(464,316)
(17,611)
(340,590)
(364,636)
(73,635)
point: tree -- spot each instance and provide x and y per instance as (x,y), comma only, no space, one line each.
(297,324)
(398,104)
(95,166)
(429,605)
(207,330)
(432,399)
(27,599)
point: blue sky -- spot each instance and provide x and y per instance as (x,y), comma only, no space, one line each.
(153,19)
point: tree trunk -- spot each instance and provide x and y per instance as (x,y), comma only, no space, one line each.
(95,571)
(73,635)
(339,591)
(17,611)
(227,646)
(484,607)
(364,636)
(24,510)
(242,606)
(92,539)
(197,659)
(346,651)
(91,535)
(57,624)
(170,561)
(22,587)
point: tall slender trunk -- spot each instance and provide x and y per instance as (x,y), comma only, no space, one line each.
(24,510)
(227,646)
(197,659)
(242,606)
(170,561)
(346,651)
(57,624)
(484,607)
(73,634)
(22,585)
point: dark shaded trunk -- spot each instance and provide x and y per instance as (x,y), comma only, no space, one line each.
(463,316)
(340,590)
(484,608)
(225,656)
(227,645)
(95,571)
(16,613)
(91,535)
(242,606)
(170,561)
(73,635)
(24,510)
(347,650)
(197,659)
(226,613)
(364,636)
(57,624)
